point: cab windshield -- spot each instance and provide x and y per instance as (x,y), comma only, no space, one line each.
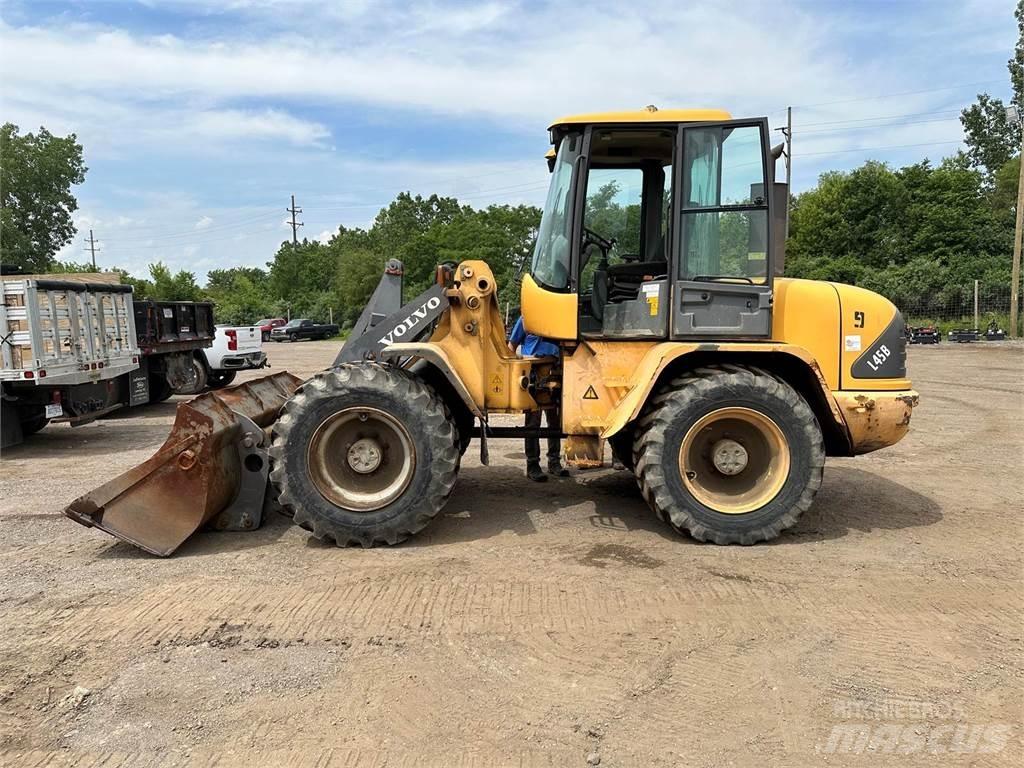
(551,255)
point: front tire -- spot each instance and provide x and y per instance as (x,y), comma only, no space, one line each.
(293,337)
(731,455)
(364,454)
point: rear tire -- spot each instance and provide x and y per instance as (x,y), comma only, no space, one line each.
(219,379)
(159,387)
(32,420)
(364,454)
(197,381)
(695,477)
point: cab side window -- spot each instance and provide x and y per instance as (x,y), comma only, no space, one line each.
(725,208)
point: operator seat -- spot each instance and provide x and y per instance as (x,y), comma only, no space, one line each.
(624,279)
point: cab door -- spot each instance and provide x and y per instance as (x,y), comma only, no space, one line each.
(722,247)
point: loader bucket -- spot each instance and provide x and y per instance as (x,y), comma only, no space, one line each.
(213,460)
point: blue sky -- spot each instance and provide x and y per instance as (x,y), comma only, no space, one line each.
(200,118)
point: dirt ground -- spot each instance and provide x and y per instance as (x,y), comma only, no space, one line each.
(536,625)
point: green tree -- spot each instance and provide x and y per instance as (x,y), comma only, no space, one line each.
(359,271)
(1004,190)
(500,235)
(141,287)
(850,218)
(66,267)
(37,171)
(920,235)
(398,233)
(1016,64)
(312,279)
(222,280)
(299,277)
(991,139)
(168,286)
(241,304)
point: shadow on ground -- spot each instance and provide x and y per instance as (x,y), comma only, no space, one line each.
(493,501)
(857,500)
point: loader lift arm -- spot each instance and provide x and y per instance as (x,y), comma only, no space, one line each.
(385,320)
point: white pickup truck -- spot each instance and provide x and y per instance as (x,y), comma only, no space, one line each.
(235,348)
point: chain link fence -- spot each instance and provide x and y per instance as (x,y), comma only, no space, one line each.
(975,306)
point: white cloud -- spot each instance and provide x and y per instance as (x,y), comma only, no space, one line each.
(525,65)
(516,65)
(251,102)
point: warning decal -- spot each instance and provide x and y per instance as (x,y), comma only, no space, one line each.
(590,394)
(651,292)
(496,383)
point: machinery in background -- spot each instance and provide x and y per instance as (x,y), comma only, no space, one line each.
(963,335)
(923,334)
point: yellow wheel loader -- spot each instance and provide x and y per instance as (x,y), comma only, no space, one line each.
(657,272)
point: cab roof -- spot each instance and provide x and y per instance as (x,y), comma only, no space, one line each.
(649,114)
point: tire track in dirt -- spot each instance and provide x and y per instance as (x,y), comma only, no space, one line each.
(321,758)
(456,606)
(461,605)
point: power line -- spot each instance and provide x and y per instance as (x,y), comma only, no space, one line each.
(844,129)
(884,117)
(875,149)
(902,93)
(188,234)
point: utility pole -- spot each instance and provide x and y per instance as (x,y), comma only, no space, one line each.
(789,162)
(1013,115)
(91,242)
(295,224)
(976,321)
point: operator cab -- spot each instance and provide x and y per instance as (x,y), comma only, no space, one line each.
(656,225)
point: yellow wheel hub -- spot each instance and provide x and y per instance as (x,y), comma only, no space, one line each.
(734,460)
(361,459)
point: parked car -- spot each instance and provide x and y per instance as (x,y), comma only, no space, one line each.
(235,348)
(303,329)
(267,324)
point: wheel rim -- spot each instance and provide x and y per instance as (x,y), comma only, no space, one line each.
(361,459)
(734,460)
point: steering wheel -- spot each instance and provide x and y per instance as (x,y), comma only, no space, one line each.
(590,237)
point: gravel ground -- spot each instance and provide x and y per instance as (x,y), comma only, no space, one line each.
(553,625)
